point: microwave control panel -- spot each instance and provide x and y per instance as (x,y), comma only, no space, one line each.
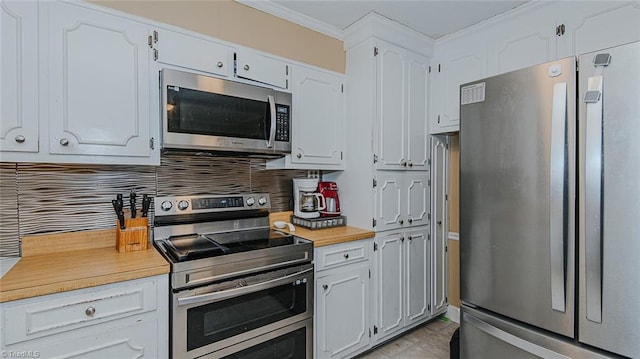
(282,123)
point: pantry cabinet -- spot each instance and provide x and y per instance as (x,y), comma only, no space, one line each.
(401,281)
(120,320)
(440,227)
(401,132)
(19,77)
(342,305)
(402,199)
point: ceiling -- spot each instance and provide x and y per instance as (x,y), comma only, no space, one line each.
(434,18)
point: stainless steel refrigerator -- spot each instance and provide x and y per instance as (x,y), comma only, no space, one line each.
(550,210)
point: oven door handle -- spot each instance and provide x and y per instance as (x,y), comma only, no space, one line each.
(235,292)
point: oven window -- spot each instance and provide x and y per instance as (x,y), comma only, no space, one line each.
(213,322)
(205,113)
(288,346)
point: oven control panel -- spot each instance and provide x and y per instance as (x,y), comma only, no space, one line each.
(172,205)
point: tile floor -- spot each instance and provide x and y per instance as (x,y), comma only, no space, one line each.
(428,341)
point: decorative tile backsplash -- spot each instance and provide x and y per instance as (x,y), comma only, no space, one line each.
(46,198)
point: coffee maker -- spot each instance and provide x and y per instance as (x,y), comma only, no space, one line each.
(307,202)
(329,190)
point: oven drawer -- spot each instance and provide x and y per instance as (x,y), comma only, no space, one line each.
(57,313)
(341,254)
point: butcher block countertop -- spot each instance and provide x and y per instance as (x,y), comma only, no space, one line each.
(62,262)
(323,237)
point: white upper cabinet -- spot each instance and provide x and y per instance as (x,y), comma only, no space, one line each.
(18,76)
(98,82)
(596,25)
(317,117)
(254,66)
(449,72)
(192,52)
(402,117)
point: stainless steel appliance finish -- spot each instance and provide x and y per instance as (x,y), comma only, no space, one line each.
(520,182)
(234,280)
(222,115)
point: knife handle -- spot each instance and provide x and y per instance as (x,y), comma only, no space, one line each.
(132,204)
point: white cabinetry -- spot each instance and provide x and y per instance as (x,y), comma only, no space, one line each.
(254,66)
(98,83)
(440,280)
(401,281)
(402,199)
(19,76)
(401,136)
(193,52)
(121,320)
(342,304)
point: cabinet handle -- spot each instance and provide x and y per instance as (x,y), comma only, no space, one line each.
(299,155)
(246,67)
(346,256)
(410,164)
(90,311)
(220,64)
(325,287)
(64,142)
(20,138)
(410,220)
(401,221)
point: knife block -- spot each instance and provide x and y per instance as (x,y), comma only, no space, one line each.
(135,236)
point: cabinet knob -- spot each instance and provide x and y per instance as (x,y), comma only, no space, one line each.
(325,287)
(410,220)
(64,142)
(410,164)
(246,67)
(20,138)
(346,256)
(439,222)
(220,64)
(401,221)
(403,164)
(402,239)
(90,311)
(410,238)
(299,155)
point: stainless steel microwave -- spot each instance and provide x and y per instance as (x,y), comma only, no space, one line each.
(210,114)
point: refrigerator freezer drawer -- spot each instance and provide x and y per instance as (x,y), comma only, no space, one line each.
(485,336)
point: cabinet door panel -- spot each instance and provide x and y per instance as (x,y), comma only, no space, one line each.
(417,115)
(318,114)
(440,227)
(417,198)
(19,76)
(194,53)
(343,312)
(391,102)
(98,83)
(257,67)
(390,201)
(418,275)
(455,72)
(389,285)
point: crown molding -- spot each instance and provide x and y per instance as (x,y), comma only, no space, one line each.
(380,27)
(282,12)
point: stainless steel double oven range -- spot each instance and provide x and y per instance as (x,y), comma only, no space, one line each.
(238,288)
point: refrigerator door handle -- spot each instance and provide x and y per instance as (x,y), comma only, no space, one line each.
(512,339)
(593,199)
(557,196)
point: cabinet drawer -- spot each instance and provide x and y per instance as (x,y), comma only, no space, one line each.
(341,254)
(57,313)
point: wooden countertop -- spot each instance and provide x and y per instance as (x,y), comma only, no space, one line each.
(62,262)
(323,237)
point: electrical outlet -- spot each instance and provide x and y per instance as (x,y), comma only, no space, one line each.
(313,174)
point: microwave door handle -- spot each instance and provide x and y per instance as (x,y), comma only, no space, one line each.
(272,112)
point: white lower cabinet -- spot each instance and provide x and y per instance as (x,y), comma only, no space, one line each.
(342,303)
(121,320)
(401,274)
